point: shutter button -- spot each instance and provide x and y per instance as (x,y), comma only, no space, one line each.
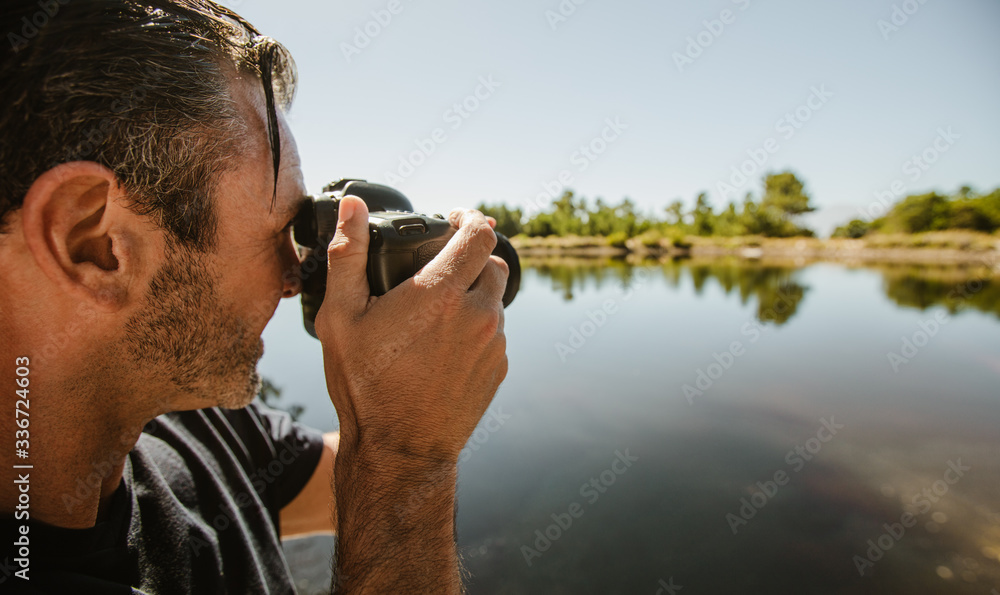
(412,229)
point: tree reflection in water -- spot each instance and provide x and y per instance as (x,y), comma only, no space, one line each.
(957,288)
(774,287)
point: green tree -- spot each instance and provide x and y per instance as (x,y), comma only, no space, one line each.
(979,213)
(785,192)
(728,222)
(540,226)
(855,229)
(602,220)
(508,219)
(919,213)
(567,219)
(784,200)
(675,213)
(628,219)
(748,216)
(702,216)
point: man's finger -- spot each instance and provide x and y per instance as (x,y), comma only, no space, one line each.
(347,277)
(462,260)
(456,214)
(492,282)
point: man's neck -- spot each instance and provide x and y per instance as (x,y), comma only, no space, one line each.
(78,442)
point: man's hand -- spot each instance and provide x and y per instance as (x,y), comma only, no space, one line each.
(410,374)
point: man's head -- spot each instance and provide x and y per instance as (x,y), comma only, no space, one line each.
(146,180)
(141,87)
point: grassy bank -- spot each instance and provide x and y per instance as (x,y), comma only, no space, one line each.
(946,246)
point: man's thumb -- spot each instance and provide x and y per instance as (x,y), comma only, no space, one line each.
(347,276)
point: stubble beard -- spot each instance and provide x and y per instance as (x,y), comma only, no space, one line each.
(204,354)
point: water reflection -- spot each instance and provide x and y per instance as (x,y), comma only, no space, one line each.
(568,275)
(777,293)
(773,286)
(956,288)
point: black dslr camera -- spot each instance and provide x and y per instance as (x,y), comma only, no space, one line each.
(401,242)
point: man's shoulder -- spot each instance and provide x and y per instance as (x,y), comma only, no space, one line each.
(209,486)
(256,420)
(256,445)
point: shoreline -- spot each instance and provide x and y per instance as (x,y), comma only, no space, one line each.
(958,249)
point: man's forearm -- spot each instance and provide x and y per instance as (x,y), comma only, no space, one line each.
(396,524)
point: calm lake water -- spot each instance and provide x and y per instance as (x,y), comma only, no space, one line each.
(725,427)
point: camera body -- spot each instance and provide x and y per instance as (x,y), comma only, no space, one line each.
(401,242)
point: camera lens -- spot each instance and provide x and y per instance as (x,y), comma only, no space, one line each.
(506,251)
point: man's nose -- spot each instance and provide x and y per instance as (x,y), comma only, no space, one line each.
(292,286)
(292,277)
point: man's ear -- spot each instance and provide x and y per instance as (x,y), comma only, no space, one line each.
(79,230)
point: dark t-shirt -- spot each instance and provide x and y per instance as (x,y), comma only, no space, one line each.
(196,512)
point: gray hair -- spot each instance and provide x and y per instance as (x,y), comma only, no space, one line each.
(141,87)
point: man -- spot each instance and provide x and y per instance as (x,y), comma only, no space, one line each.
(147,184)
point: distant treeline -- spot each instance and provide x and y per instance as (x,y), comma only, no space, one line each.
(775,214)
(932,212)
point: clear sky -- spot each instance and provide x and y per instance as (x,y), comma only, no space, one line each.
(379,79)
